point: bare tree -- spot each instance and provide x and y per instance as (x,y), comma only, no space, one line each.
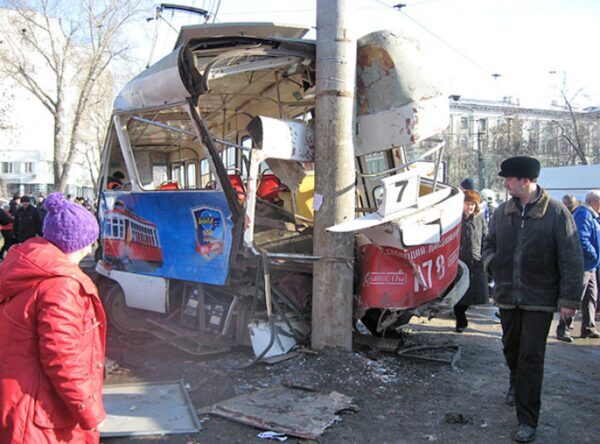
(62,61)
(97,120)
(570,131)
(6,99)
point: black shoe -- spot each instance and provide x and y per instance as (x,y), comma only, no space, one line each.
(525,433)
(590,334)
(565,337)
(509,399)
(461,325)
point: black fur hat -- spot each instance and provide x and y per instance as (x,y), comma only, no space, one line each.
(521,167)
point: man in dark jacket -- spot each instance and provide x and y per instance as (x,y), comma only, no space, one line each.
(533,252)
(588,226)
(40,207)
(14,204)
(27,221)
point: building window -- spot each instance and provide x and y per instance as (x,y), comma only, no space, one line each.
(482,124)
(28,167)
(464,123)
(6,168)
(375,163)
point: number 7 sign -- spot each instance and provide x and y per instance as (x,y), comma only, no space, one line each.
(399,192)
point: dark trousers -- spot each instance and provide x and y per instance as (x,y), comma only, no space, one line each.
(524,335)
(589,302)
(461,317)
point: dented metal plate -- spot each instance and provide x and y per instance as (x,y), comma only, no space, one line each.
(283,139)
(400,99)
(302,413)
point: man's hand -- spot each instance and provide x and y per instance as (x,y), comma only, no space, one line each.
(566,312)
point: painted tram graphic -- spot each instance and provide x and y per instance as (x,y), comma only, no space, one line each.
(130,239)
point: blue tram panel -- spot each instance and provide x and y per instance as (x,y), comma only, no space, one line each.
(176,235)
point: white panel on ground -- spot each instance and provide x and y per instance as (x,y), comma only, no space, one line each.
(161,408)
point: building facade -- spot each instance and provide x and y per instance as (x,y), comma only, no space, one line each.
(483,133)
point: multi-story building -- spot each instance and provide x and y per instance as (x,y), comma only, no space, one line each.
(483,133)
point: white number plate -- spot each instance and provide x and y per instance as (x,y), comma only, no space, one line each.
(399,192)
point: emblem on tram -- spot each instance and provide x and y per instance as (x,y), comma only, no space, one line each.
(210,235)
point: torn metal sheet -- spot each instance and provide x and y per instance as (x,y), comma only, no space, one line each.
(295,412)
(401,98)
(192,342)
(161,408)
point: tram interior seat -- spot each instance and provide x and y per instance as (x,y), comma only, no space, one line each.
(169,185)
(238,186)
(269,187)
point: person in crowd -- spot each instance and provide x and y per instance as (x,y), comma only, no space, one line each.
(89,205)
(473,230)
(40,207)
(533,252)
(467,184)
(52,334)
(489,197)
(588,226)
(115,180)
(27,221)
(14,204)
(570,202)
(6,228)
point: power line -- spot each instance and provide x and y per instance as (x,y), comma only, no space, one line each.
(271,11)
(400,6)
(452,47)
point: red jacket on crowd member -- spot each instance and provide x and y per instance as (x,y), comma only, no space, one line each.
(52,342)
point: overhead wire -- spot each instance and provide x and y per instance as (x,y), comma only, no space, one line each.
(213,7)
(425,28)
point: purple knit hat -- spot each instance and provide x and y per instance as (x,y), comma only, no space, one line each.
(68,225)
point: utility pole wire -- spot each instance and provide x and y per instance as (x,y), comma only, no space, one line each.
(466,57)
(398,7)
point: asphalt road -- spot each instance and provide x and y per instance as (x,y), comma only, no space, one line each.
(399,400)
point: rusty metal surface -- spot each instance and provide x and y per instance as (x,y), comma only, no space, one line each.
(296,412)
(400,98)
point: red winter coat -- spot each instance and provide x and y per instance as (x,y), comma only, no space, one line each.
(52,341)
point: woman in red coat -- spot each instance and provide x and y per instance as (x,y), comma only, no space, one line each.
(52,334)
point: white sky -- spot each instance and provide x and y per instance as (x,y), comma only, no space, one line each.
(523,40)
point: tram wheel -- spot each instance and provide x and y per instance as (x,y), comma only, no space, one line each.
(121,317)
(371,319)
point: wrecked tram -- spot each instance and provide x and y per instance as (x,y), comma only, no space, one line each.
(210,232)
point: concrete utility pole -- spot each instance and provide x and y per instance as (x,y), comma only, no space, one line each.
(334,176)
